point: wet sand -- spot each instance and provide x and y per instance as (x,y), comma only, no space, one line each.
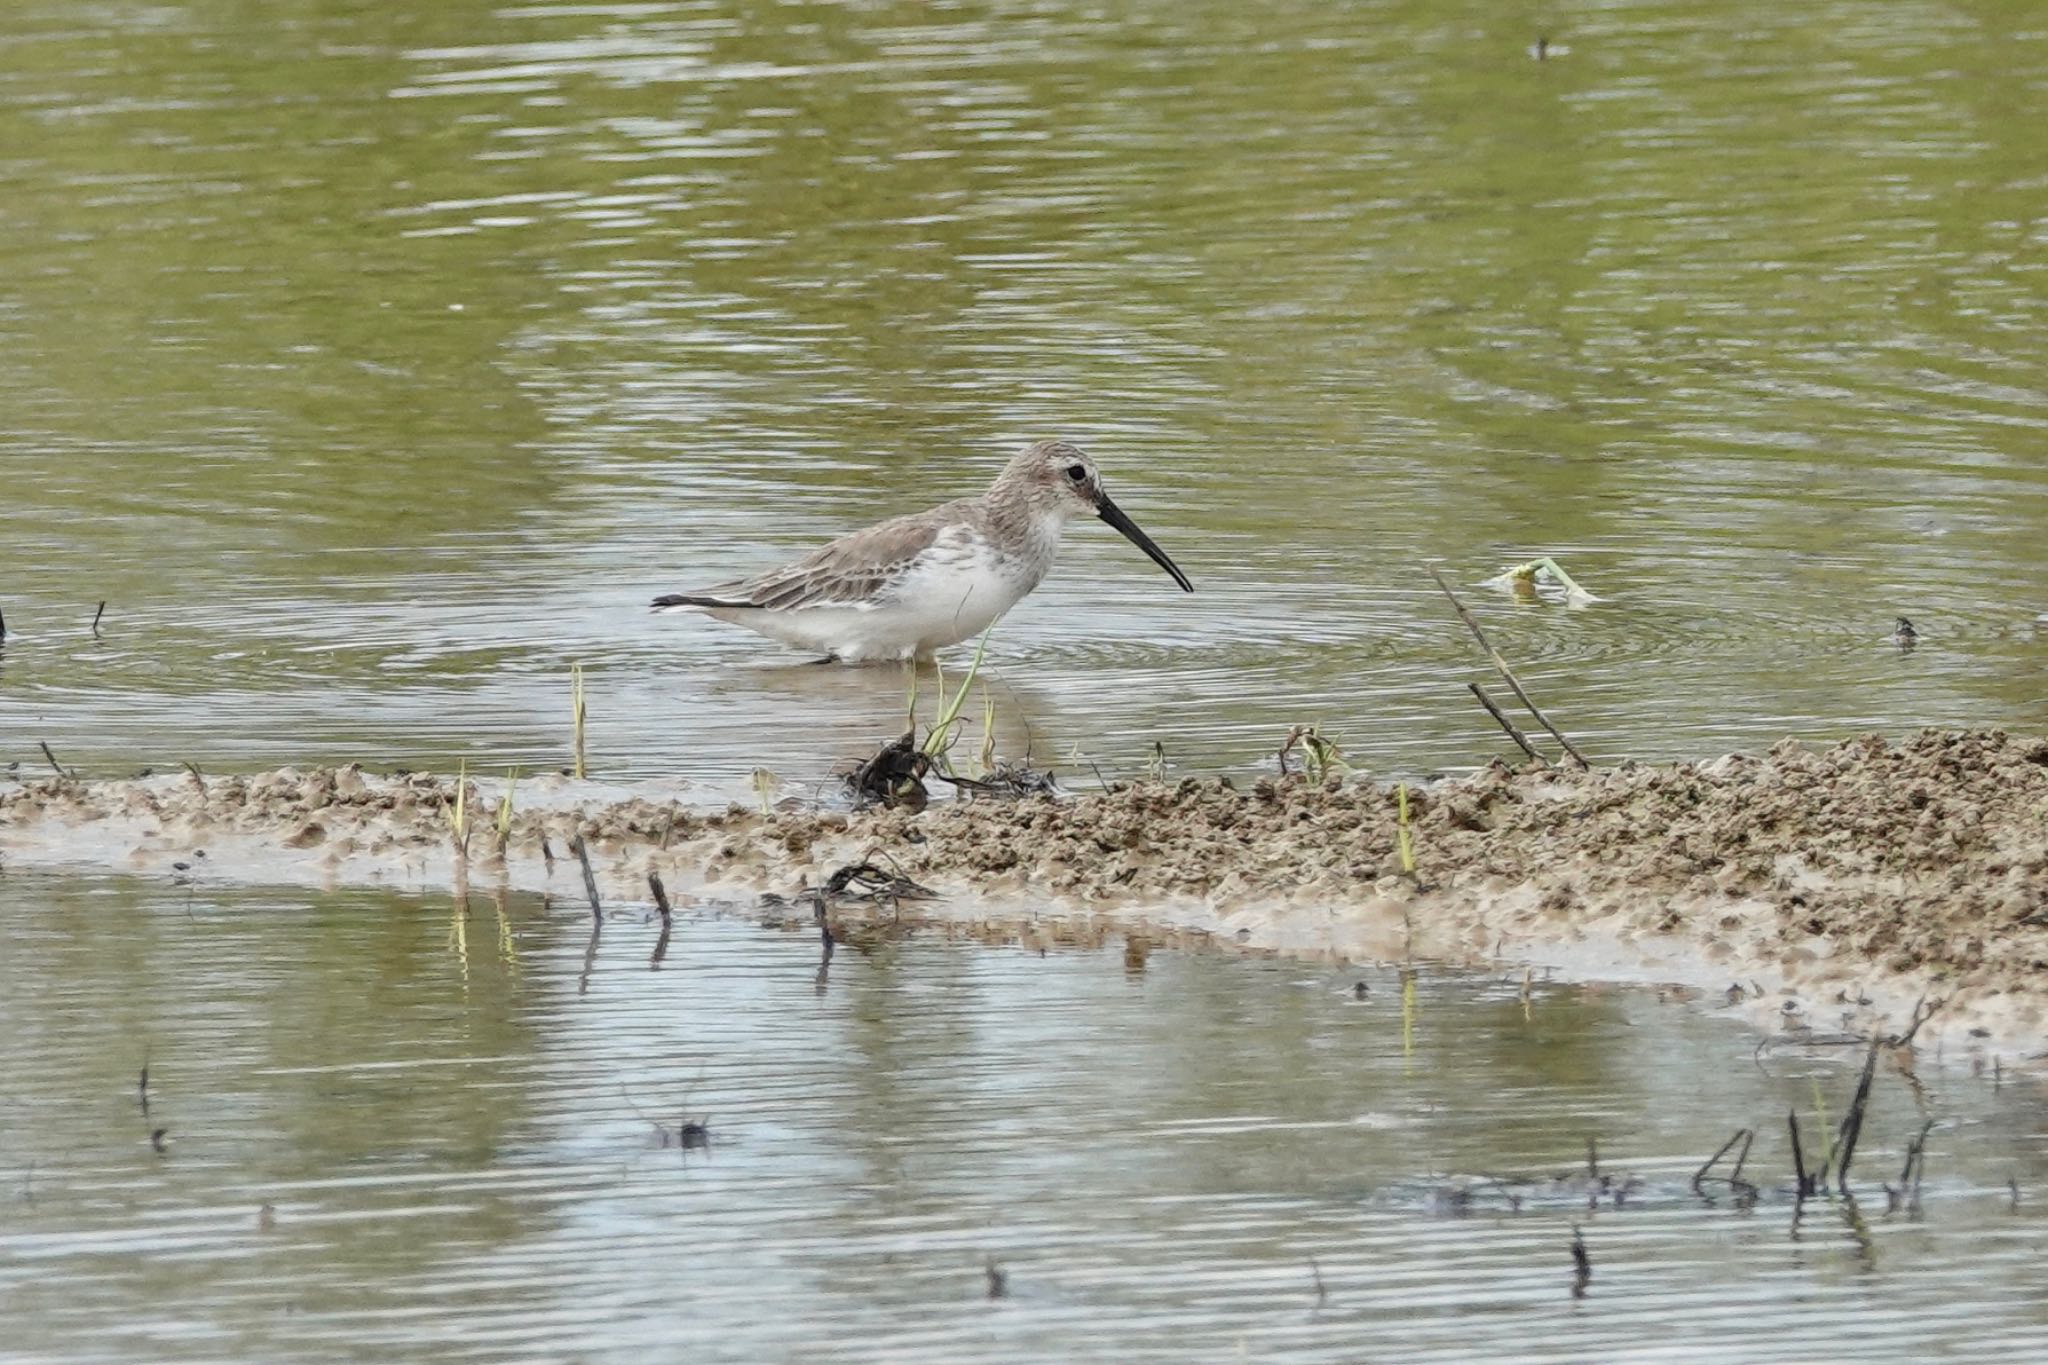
(1823,889)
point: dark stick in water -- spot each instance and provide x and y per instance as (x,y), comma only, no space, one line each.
(1916,1166)
(661,904)
(1500,718)
(1501,666)
(582,853)
(1798,1155)
(1725,1148)
(96,618)
(1852,1122)
(45,747)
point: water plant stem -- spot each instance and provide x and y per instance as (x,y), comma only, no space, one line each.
(458,814)
(1404,841)
(505,811)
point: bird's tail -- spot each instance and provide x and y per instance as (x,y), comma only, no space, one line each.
(683,601)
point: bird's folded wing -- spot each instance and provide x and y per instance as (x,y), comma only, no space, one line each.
(854,571)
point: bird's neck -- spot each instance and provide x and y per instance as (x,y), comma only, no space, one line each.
(1028,531)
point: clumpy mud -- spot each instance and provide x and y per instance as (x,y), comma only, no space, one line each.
(1832,887)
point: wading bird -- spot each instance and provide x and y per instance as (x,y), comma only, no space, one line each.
(905,587)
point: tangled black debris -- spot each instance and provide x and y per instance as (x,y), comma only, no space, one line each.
(1006,780)
(893,777)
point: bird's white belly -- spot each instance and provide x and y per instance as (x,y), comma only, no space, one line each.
(935,604)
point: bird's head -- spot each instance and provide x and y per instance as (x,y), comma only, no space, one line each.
(1058,478)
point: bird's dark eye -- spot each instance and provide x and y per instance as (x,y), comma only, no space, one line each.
(1077,472)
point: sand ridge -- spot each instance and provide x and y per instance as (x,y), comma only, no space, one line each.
(1835,884)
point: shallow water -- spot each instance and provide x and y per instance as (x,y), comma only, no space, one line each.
(455,1121)
(374,362)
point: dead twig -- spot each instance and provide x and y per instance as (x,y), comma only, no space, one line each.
(864,881)
(1005,780)
(1923,1010)
(1582,1264)
(1735,1176)
(1725,1148)
(1501,666)
(96,618)
(1806,1183)
(1514,730)
(1911,1173)
(1852,1122)
(45,747)
(661,905)
(582,852)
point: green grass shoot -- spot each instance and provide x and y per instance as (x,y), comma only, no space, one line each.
(505,810)
(1320,757)
(939,739)
(1404,840)
(765,783)
(987,759)
(458,814)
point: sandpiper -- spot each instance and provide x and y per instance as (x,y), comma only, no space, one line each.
(905,587)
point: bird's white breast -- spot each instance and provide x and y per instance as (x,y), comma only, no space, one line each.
(958,588)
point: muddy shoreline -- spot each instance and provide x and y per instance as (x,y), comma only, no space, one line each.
(1820,888)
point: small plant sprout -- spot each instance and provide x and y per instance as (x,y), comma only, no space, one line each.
(939,739)
(1155,766)
(765,783)
(987,759)
(1404,840)
(1522,580)
(576,702)
(505,811)
(458,814)
(1320,757)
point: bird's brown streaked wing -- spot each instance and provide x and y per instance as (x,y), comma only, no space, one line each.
(851,570)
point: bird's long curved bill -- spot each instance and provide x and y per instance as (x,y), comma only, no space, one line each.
(1114,515)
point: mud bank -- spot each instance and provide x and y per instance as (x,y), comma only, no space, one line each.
(1824,888)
